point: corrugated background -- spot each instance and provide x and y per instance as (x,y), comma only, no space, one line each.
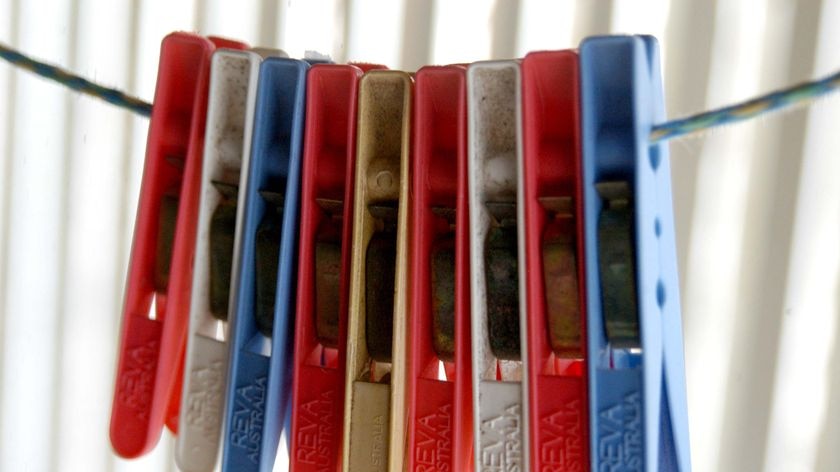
(757,205)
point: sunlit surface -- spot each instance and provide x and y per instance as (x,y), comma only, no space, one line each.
(33,253)
(461,31)
(545,24)
(374,34)
(310,26)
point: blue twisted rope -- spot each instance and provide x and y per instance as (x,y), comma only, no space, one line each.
(75,82)
(795,95)
(791,96)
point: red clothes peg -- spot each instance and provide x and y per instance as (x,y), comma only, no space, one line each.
(156,310)
(439,407)
(557,415)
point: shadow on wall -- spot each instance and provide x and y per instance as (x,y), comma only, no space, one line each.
(828,450)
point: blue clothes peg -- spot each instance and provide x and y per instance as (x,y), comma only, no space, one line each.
(259,376)
(637,391)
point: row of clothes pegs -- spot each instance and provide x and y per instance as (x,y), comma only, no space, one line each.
(471,267)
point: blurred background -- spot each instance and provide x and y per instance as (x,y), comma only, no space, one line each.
(757,205)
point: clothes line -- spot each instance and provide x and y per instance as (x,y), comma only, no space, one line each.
(75,82)
(796,95)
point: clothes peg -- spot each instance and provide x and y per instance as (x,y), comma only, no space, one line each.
(259,377)
(375,408)
(147,392)
(230,110)
(326,229)
(636,364)
(183,252)
(555,323)
(497,277)
(439,393)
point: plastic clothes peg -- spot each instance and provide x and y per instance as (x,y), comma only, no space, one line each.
(557,414)
(232,95)
(374,408)
(439,388)
(155,313)
(496,249)
(259,374)
(637,395)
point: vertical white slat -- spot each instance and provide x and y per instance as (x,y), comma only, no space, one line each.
(375,31)
(545,24)
(809,334)
(341,20)
(462,31)
(235,20)
(717,229)
(592,18)
(642,17)
(30,301)
(64,248)
(280,23)
(310,26)
(687,65)
(8,86)
(504,24)
(8,35)
(417,20)
(86,358)
(268,32)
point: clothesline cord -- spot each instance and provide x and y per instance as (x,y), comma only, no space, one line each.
(75,82)
(795,95)
(792,96)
